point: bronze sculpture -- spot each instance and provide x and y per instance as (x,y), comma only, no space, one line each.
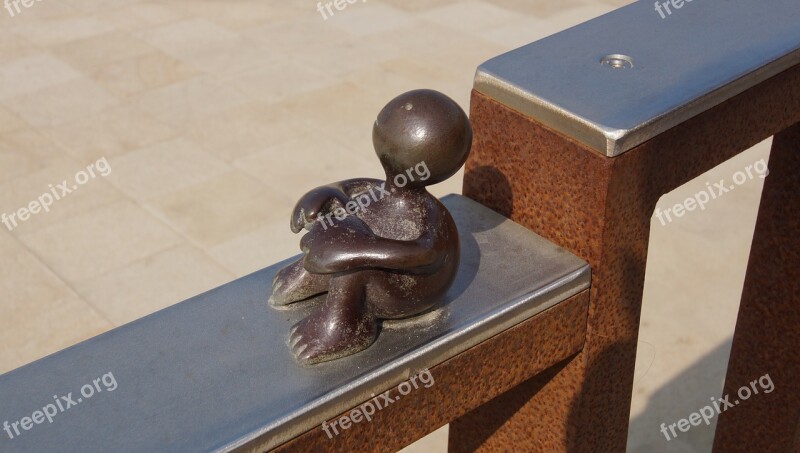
(379,249)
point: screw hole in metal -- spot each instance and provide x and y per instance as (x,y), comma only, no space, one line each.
(617,61)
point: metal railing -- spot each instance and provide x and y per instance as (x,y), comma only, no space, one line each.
(576,138)
(578,135)
(213,373)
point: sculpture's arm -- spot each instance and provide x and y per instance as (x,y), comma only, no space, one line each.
(355,247)
(324,199)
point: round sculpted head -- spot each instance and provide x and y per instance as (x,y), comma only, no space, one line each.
(423,135)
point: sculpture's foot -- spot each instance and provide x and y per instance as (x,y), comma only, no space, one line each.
(294,284)
(340,327)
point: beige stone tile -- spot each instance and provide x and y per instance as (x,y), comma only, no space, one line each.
(431,45)
(33,73)
(435,442)
(9,121)
(574,16)
(182,103)
(399,75)
(425,36)
(258,249)
(299,35)
(100,241)
(110,133)
(338,58)
(91,6)
(540,9)
(389,79)
(343,111)
(32,330)
(25,16)
(221,209)
(26,150)
(141,15)
(226,56)
(617,3)
(187,35)
(59,30)
(517,34)
(286,168)
(154,283)
(363,19)
(309,51)
(24,279)
(41,314)
(244,130)
(61,104)
(418,5)
(246,14)
(405,74)
(90,54)
(13,46)
(41,186)
(281,80)
(338,50)
(166,167)
(462,60)
(139,74)
(336,64)
(471,16)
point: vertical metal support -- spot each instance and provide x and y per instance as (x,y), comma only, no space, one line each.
(599,208)
(582,201)
(768,327)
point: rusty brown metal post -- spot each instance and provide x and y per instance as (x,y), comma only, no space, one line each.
(599,207)
(768,327)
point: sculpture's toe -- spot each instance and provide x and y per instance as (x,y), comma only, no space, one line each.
(281,293)
(321,337)
(294,284)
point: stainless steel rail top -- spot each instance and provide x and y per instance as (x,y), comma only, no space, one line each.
(214,372)
(621,79)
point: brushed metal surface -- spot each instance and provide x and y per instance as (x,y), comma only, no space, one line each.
(663,71)
(213,372)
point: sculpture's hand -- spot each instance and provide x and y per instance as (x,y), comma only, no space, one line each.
(350,245)
(316,202)
(337,248)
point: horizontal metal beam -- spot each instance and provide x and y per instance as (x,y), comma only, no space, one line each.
(490,372)
(619,80)
(214,373)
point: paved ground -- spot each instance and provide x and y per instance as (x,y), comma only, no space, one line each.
(213,116)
